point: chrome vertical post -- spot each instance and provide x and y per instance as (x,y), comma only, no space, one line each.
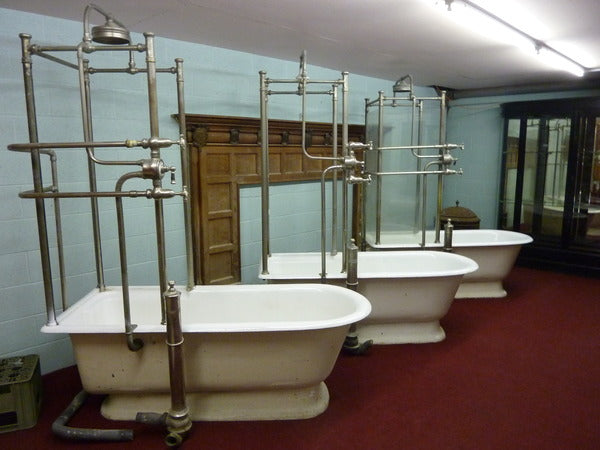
(334,186)
(363,200)
(36,169)
(185,176)
(419,223)
(440,181)
(155,153)
(59,235)
(346,151)
(424,210)
(86,117)
(379,186)
(264,143)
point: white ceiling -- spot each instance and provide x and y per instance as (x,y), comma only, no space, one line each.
(380,38)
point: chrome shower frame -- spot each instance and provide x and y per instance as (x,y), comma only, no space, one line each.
(345,163)
(152,169)
(439,154)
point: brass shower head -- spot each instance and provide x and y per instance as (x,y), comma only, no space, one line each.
(110,33)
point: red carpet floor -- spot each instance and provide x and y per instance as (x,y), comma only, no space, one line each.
(516,373)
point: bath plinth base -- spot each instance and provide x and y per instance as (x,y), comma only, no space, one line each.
(480,289)
(401,333)
(275,404)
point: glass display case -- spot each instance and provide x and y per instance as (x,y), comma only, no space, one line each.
(551,181)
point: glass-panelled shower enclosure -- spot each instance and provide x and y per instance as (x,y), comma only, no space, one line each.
(551,180)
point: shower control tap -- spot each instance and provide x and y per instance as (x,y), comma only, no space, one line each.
(155,169)
(156,142)
(172,170)
(158,192)
(350,162)
(448,159)
(360,146)
(353,179)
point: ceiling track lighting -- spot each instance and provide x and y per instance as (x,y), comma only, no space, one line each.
(546,53)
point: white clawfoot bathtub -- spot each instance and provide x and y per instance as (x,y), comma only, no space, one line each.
(251,352)
(410,291)
(495,251)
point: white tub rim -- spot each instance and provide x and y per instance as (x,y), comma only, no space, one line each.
(467,265)
(503,238)
(362,308)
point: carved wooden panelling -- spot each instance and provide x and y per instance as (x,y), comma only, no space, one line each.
(224,153)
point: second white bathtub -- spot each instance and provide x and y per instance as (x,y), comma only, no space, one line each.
(409,291)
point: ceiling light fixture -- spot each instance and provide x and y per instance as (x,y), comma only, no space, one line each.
(483,21)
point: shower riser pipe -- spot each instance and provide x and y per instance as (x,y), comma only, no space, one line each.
(323,221)
(88,136)
(132,343)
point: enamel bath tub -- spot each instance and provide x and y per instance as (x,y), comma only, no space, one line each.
(495,251)
(409,291)
(251,352)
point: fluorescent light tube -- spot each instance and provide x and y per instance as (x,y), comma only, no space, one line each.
(560,62)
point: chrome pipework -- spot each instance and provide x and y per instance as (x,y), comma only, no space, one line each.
(350,166)
(301,81)
(112,36)
(86,115)
(53,188)
(351,343)
(339,162)
(134,344)
(185,175)
(443,157)
(448,228)
(36,170)
(264,192)
(178,420)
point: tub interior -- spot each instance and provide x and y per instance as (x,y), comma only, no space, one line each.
(233,308)
(390,264)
